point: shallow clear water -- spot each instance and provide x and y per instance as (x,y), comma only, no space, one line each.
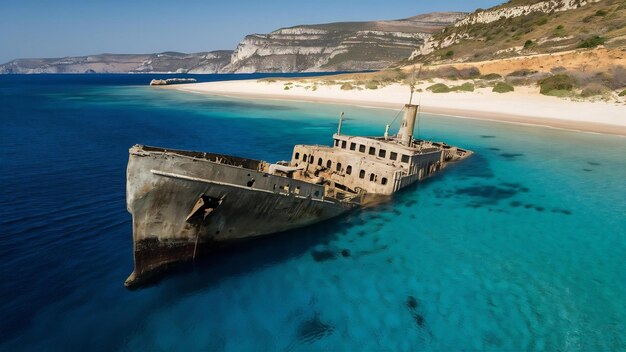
(521,247)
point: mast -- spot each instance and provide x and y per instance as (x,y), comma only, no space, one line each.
(340,120)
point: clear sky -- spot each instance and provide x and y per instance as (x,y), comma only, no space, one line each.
(57,28)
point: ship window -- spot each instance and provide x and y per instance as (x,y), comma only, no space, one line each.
(405,158)
(297,156)
(336,142)
(393,156)
(352,146)
(317,193)
(382,153)
(338,167)
(297,190)
(304,158)
(310,158)
(250,183)
(362,174)
(362,148)
(349,170)
(329,164)
(372,151)
(383,181)
(274,186)
(320,161)
(286,188)
(343,144)
(372,177)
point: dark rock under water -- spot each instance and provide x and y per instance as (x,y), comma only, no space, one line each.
(313,329)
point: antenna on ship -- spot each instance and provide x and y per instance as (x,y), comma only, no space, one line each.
(340,121)
(419,102)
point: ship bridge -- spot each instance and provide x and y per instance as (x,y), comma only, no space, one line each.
(378,165)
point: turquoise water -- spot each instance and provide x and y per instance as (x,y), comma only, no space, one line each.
(521,247)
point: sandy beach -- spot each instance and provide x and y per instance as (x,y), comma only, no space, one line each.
(524,106)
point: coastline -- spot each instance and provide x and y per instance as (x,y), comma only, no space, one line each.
(524,106)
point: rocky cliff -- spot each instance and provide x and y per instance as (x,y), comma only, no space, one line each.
(503,11)
(500,30)
(343,46)
(207,62)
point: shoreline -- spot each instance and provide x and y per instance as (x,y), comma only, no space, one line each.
(481,105)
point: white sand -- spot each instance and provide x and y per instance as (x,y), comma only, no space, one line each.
(525,105)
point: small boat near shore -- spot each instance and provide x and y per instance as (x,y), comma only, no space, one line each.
(185,203)
(170,81)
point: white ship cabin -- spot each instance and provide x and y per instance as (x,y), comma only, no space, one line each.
(378,165)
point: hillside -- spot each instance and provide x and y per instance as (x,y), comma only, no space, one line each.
(526,27)
(207,62)
(344,46)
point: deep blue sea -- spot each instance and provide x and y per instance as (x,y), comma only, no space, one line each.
(521,247)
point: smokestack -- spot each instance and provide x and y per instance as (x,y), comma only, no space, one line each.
(405,133)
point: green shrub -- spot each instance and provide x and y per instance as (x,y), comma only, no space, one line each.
(502,87)
(371,85)
(439,88)
(286,88)
(528,44)
(347,86)
(450,53)
(601,13)
(559,31)
(522,73)
(314,88)
(491,77)
(594,89)
(556,82)
(623,93)
(561,93)
(465,87)
(541,21)
(592,42)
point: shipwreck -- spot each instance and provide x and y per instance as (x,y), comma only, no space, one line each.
(185,202)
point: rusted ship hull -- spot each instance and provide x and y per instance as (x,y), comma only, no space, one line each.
(183,202)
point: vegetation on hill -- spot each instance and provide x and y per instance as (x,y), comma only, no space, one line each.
(502,87)
(558,82)
(601,23)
